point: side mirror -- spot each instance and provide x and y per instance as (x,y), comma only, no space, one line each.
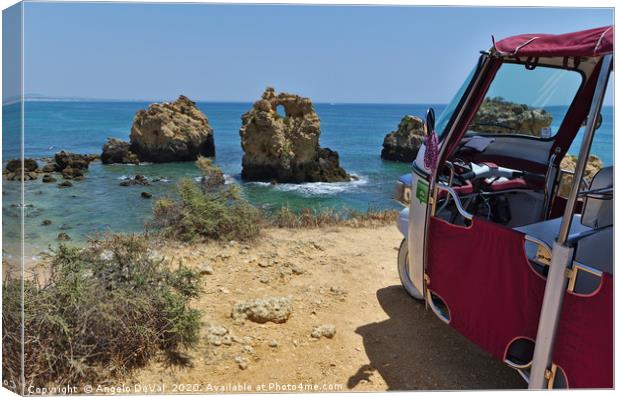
(599,121)
(429,126)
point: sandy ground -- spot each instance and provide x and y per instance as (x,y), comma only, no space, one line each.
(342,276)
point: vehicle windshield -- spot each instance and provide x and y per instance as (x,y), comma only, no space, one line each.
(530,102)
(446,115)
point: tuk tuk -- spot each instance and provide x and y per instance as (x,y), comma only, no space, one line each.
(493,243)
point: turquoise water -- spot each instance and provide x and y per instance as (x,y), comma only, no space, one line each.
(99,204)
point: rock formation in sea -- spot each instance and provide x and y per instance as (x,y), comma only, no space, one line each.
(569,162)
(72,165)
(137,180)
(117,151)
(165,132)
(286,149)
(499,116)
(212,175)
(403,144)
(171,131)
(13,169)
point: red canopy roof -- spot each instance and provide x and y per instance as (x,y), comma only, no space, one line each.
(592,42)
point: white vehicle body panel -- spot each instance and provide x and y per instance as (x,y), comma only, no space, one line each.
(417,222)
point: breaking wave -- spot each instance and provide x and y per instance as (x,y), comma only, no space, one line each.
(227,179)
(313,189)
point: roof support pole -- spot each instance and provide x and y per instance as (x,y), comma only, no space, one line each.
(562,255)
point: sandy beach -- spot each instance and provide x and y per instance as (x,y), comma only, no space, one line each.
(341,276)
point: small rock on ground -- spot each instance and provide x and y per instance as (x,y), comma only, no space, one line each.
(326,330)
(274,309)
(206,269)
(242,362)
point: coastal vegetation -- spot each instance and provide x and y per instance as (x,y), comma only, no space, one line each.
(197,215)
(98,312)
(212,175)
(286,217)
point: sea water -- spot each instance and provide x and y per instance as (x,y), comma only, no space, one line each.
(98,204)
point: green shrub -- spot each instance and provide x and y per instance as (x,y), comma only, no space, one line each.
(212,175)
(198,215)
(100,312)
(224,215)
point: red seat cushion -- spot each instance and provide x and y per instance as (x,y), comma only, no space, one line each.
(509,184)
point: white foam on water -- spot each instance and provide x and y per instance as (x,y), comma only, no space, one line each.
(148,178)
(125,164)
(256,183)
(312,189)
(228,180)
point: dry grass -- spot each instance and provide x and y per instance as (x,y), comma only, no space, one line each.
(285,217)
(101,312)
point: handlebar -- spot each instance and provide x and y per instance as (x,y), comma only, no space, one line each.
(468,175)
(487,171)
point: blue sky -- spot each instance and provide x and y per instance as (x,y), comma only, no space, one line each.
(232,52)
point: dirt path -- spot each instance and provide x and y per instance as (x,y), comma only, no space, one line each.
(342,276)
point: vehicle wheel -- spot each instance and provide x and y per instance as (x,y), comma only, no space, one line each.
(403,271)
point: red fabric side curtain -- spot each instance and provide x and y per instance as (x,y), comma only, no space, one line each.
(484,277)
(584,347)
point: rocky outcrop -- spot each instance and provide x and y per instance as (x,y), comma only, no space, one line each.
(137,180)
(64,160)
(116,151)
(15,165)
(72,165)
(13,170)
(499,116)
(403,144)
(569,162)
(47,178)
(212,175)
(286,149)
(63,237)
(165,132)
(171,131)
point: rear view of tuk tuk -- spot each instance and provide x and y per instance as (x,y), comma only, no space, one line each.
(502,244)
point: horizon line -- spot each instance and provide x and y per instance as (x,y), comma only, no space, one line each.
(44,98)
(13,101)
